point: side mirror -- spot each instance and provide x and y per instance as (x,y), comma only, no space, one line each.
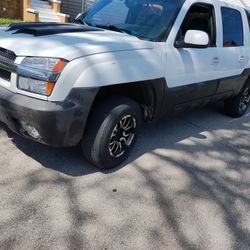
(194,39)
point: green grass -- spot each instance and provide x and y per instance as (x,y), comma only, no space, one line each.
(5,21)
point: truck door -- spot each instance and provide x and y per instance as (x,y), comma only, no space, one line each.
(192,73)
(233,53)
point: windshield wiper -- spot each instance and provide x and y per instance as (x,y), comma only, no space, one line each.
(113,28)
(81,21)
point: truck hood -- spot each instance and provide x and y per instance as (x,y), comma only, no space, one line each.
(67,42)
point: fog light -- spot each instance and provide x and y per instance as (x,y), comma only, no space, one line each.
(31,130)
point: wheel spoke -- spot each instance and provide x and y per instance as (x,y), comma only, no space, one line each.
(119,146)
(125,123)
(114,131)
(245,100)
(131,126)
(113,146)
(242,106)
(126,133)
(111,142)
(122,139)
(122,136)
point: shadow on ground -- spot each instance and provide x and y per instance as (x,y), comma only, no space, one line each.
(185,186)
(161,134)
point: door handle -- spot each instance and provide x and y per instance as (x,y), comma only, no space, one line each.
(241,59)
(216,60)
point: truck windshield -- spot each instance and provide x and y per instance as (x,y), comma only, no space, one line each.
(146,19)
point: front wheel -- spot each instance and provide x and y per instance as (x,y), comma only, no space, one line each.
(238,105)
(111,132)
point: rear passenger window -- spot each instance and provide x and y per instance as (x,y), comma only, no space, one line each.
(232,27)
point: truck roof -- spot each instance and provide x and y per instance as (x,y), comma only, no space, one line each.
(242,3)
(237,3)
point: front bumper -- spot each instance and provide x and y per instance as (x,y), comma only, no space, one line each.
(59,124)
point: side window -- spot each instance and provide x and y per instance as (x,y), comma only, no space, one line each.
(233,34)
(200,17)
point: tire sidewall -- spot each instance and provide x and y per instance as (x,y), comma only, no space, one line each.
(232,105)
(111,119)
(242,112)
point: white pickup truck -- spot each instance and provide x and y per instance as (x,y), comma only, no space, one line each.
(122,63)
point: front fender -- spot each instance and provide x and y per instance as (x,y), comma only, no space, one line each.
(109,69)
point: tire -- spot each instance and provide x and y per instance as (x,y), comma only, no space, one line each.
(238,105)
(111,132)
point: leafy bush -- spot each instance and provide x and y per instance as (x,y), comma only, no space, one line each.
(5,21)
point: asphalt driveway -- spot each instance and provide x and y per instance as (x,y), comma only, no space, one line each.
(186,186)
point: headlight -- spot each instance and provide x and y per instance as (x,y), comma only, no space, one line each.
(35,86)
(37,68)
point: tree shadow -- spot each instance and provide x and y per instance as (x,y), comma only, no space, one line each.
(161,134)
(203,146)
(66,160)
(205,185)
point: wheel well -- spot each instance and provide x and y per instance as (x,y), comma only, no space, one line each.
(141,92)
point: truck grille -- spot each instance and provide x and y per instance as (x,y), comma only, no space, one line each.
(10,56)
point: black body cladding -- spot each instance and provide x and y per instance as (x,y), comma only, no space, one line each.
(60,124)
(63,123)
(45,29)
(170,101)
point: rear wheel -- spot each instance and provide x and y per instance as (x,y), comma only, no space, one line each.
(238,105)
(111,132)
